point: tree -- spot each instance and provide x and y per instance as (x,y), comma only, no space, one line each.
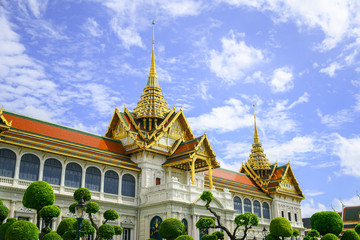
(330,236)
(4,213)
(350,234)
(214,236)
(47,213)
(357,228)
(106,231)
(38,195)
(248,220)
(296,233)
(52,236)
(327,222)
(4,227)
(313,234)
(171,228)
(281,227)
(65,225)
(22,230)
(272,237)
(184,237)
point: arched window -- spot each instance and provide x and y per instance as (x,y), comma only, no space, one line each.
(247,205)
(29,167)
(257,208)
(7,163)
(73,175)
(154,228)
(93,179)
(111,182)
(185,223)
(52,171)
(237,205)
(128,185)
(266,210)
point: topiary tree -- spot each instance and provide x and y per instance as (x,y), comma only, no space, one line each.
(296,233)
(92,208)
(52,236)
(327,222)
(248,220)
(118,230)
(307,238)
(281,227)
(83,193)
(38,195)
(4,227)
(110,215)
(330,236)
(22,230)
(350,234)
(184,237)
(86,228)
(272,237)
(214,236)
(47,213)
(106,231)
(66,225)
(313,234)
(69,235)
(4,213)
(171,228)
(357,228)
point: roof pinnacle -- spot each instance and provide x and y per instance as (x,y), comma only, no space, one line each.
(153,66)
(256,136)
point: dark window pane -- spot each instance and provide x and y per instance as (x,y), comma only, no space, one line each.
(128,185)
(52,171)
(247,205)
(154,227)
(295,215)
(111,182)
(29,167)
(289,216)
(7,163)
(237,205)
(257,208)
(266,211)
(73,175)
(93,179)
(185,223)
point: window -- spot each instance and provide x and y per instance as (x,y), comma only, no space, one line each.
(23,219)
(282,214)
(128,185)
(29,167)
(111,182)
(52,171)
(93,179)
(154,227)
(7,163)
(266,211)
(257,208)
(126,234)
(295,216)
(289,216)
(185,223)
(158,181)
(73,175)
(247,205)
(237,205)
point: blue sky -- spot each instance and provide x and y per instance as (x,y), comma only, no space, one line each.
(70,62)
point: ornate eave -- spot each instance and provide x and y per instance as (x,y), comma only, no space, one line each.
(4,124)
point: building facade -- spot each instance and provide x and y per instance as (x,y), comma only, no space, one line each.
(148,166)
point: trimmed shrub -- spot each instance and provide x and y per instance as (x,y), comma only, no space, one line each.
(92,207)
(49,212)
(327,222)
(330,236)
(4,227)
(82,192)
(205,223)
(52,236)
(207,196)
(272,237)
(106,231)
(219,234)
(296,233)
(11,220)
(281,227)
(357,228)
(1,202)
(184,237)
(38,195)
(350,234)
(66,225)
(209,237)
(118,230)
(22,230)
(247,219)
(171,228)
(313,233)
(86,227)
(111,215)
(4,213)
(70,235)
(72,207)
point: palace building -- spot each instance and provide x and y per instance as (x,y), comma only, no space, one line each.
(148,166)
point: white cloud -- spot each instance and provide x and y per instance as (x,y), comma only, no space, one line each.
(309,207)
(282,80)
(357,104)
(257,76)
(336,119)
(312,193)
(37,7)
(348,150)
(202,90)
(235,58)
(181,7)
(93,27)
(330,70)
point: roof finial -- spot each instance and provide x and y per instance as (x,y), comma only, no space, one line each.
(256,136)
(152,67)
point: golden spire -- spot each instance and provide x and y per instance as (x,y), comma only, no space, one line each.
(256,136)
(153,66)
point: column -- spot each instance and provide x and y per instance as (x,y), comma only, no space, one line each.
(210,173)
(17,167)
(102,185)
(12,209)
(83,177)
(41,169)
(193,172)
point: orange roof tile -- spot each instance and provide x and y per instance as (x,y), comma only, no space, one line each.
(185,147)
(277,173)
(237,177)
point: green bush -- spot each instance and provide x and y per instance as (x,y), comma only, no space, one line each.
(52,236)
(118,230)
(281,227)
(106,231)
(92,207)
(70,235)
(38,195)
(327,222)
(330,236)
(86,227)
(72,207)
(1,202)
(49,212)
(219,234)
(357,228)
(22,230)
(272,237)
(4,213)
(350,234)
(150,239)
(111,215)
(171,228)
(207,196)
(184,237)
(205,223)
(11,220)
(4,227)
(307,238)
(66,225)
(247,219)
(82,192)
(209,237)
(296,233)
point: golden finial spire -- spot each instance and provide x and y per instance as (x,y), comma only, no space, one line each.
(256,136)
(153,67)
